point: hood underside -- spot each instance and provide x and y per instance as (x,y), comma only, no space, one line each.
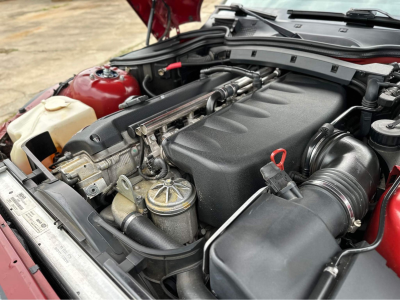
(181,12)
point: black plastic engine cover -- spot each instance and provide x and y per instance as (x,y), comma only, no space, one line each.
(225,151)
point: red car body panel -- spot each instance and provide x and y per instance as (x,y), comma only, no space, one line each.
(19,276)
(389,248)
(182,12)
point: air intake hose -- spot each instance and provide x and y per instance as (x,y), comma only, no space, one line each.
(190,284)
(142,230)
(344,177)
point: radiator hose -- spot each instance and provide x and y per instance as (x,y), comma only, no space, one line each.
(190,284)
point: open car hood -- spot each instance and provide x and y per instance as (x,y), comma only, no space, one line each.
(182,12)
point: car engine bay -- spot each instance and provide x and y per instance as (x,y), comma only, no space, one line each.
(223,172)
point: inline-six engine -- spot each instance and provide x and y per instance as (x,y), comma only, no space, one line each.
(222,151)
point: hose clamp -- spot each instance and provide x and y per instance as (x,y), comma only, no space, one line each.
(354,224)
(128,220)
(333,270)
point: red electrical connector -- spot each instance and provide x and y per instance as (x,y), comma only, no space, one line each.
(176,65)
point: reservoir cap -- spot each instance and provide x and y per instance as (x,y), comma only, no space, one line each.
(55,103)
(384,134)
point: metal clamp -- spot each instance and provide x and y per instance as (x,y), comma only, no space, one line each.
(354,224)
(333,270)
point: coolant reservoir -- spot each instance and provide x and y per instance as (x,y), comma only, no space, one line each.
(103,88)
(61,116)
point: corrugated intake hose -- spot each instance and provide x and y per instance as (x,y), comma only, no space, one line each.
(142,230)
(190,284)
(344,177)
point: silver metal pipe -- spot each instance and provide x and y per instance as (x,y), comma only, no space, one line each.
(244,81)
(270,76)
(184,110)
(353,108)
(172,115)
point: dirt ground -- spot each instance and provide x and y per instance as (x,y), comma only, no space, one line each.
(43,42)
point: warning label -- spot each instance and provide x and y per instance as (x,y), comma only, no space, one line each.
(35,221)
(19,203)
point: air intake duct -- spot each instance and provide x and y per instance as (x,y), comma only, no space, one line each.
(344,176)
(277,247)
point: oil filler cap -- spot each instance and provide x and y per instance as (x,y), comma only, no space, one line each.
(55,103)
(386,133)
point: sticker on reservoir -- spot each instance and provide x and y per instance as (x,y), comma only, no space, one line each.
(20,203)
(35,221)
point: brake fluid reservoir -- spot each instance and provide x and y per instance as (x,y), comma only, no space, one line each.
(61,116)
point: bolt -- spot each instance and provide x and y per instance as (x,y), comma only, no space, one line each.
(357,223)
(161,72)
(91,76)
(122,78)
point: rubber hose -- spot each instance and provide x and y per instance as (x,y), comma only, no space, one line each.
(159,164)
(257,82)
(146,79)
(190,284)
(140,229)
(371,93)
(212,100)
(343,167)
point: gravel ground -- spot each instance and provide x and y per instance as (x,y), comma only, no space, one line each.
(43,42)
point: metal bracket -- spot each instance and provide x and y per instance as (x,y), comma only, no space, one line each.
(124,187)
(34,269)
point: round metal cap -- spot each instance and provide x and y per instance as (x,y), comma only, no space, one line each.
(385,136)
(170,197)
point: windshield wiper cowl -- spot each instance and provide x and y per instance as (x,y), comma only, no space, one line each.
(283,31)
